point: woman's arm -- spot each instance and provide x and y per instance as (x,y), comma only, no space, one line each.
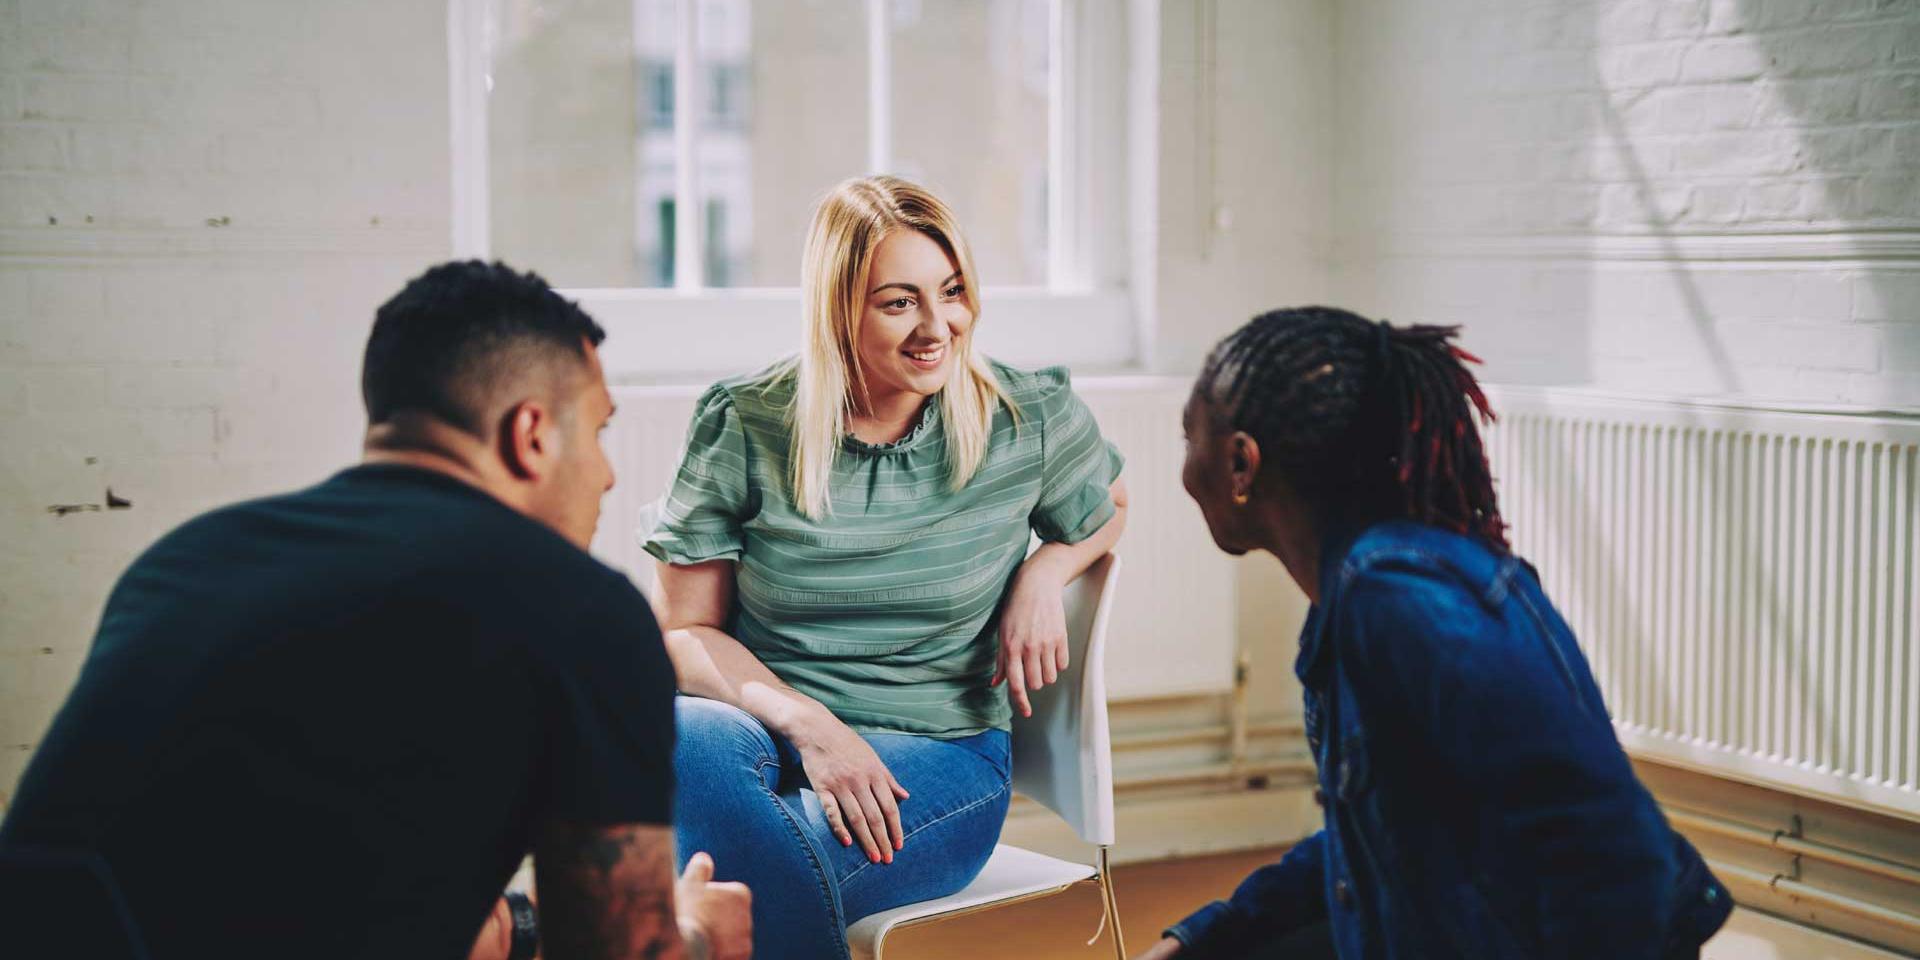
(694,603)
(858,794)
(1033,627)
(1061,562)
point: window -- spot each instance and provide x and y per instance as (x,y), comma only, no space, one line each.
(663,250)
(678,146)
(659,95)
(969,89)
(721,263)
(724,104)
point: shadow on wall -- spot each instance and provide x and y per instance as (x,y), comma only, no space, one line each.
(1661,228)
(1845,93)
(1464,146)
(1847,82)
(1781,118)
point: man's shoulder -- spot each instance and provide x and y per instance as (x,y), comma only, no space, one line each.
(522,564)
(357,495)
(508,577)
(390,528)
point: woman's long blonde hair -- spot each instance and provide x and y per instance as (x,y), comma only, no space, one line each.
(847,227)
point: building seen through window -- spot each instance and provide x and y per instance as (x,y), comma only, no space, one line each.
(583,161)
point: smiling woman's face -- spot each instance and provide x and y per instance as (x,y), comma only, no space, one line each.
(915,320)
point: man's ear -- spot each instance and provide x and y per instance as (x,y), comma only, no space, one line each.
(526,439)
(1244,466)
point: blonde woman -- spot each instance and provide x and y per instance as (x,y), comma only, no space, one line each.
(845,584)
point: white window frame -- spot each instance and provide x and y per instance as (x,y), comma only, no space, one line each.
(1087,315)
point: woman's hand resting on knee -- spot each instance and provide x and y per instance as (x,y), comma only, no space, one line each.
(858,794)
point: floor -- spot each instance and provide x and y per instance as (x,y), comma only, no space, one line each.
(1152,895)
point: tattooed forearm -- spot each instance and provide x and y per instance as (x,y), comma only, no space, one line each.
(606,850)
(606,893)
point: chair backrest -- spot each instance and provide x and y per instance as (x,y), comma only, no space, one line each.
(1062,755)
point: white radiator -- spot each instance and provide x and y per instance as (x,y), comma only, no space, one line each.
(1743,582)
(644,441)
(1173,620)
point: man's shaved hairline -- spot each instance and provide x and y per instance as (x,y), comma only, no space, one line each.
(502,376)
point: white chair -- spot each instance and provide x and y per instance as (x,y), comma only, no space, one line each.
(1061,759)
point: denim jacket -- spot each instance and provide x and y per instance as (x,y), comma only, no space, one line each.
(1477,802)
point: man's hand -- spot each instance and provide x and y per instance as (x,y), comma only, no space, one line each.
(1167,947)
(716,919)
(495,941)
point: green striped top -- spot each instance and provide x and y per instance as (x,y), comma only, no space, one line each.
(885,609)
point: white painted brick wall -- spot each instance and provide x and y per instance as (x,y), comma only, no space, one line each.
(1635,133)
(201,203)
(1244,215)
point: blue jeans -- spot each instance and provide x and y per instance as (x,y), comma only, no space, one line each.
(742,796)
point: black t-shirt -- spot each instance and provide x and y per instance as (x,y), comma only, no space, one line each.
(327,724)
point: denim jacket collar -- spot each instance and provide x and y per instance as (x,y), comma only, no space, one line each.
(1489,575)
(1334,545)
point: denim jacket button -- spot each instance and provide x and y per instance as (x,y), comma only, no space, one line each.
(1343,893)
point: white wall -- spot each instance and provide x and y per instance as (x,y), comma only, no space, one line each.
(201,204)
(1245,212)
(1245,170)
(1682,197)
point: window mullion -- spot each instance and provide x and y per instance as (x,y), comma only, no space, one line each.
(688,264)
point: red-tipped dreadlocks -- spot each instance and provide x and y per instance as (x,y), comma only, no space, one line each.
(1368,421)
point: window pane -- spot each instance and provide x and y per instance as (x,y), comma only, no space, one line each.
(783,118)
(580,130)
(970,121)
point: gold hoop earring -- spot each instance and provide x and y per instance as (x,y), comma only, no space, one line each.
(1240,499)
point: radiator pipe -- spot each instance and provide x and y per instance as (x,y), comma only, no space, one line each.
(1792,889)
(1219,772)
(1217,733)
(1783,840)
(1237,716)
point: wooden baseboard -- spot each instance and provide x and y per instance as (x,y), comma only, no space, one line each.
(1751,935)
(1181,825)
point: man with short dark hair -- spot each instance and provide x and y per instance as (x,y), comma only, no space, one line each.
(331,723)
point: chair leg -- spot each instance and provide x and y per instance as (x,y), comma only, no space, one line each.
(1111,905)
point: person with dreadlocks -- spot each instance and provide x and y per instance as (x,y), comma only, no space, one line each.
(1477,802)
